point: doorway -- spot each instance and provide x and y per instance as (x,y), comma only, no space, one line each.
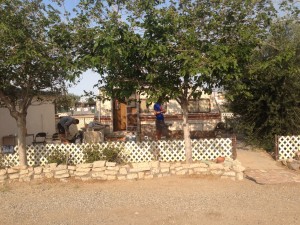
(119,116)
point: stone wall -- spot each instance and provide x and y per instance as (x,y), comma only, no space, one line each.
(103,170)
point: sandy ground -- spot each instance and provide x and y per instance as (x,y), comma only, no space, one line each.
(184,200)
(258,159)
(172,200)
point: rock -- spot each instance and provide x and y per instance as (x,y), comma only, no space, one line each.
(123,171)
(295,165)
(2,172)
(141,165)
(284,162)
(59,172)
(229,174)
(216,166)
(132,176)
(238,168)
(290,160)
(99,163)
(111,164)
(240,176)
(79,169)
(85,165)
(61,167)
(38,170)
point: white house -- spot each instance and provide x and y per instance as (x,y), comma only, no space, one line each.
(40,118)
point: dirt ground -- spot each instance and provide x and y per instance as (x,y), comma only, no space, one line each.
(184,200)
(172,200)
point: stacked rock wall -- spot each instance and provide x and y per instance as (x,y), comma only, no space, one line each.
(103,170)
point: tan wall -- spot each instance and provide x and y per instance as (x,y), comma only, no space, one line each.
(173,108)
(105,108)
(40,118)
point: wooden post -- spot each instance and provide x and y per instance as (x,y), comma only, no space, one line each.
(276,148)
(234,153)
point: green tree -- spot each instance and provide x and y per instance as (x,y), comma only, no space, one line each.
(178,49)
(267,97)
(63,103)
(35,58)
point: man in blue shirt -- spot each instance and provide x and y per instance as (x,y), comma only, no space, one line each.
(160,122)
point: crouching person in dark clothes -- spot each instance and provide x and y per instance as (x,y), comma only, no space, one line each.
(63,127)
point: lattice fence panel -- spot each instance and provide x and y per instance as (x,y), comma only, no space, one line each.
(287,146)
(209,149)
(136,152)
(167,151)
(9,160)
(171,151)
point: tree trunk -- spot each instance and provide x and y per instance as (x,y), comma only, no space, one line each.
(186,134)
(138,128)
(21,124)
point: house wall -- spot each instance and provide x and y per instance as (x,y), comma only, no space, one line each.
(40,118)
(173,116)
(105,113)
(198,121)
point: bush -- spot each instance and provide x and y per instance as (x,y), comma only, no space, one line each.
(57,157)
(92,154)
(110,154)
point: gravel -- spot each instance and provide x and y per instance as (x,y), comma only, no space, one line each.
(172,200)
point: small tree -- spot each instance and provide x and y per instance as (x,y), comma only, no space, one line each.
(34,58)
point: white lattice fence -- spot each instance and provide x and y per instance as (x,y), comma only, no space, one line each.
(209,149)
(167,151)
(287,146)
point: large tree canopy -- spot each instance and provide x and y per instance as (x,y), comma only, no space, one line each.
(178,49)
(34,57)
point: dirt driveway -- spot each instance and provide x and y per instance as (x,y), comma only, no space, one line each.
(173,200)
(184,200)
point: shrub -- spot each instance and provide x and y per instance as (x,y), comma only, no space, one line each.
(110,154)
(92,154)
(57,157)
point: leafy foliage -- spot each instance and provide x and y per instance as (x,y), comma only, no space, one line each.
(35,58)
(57,157)
(178,49)
(63,103)
(267,96)
(112,154)
(109,154)
(92,154)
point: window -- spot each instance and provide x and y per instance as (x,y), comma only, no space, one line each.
(199,106)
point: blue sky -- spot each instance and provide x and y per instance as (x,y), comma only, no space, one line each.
(87,80)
